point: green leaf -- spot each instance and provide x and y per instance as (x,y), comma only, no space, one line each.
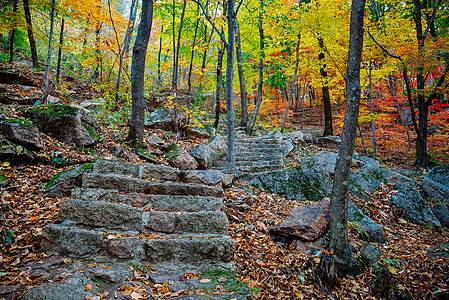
(19,149)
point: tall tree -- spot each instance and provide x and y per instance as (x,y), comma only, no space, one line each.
(338,237)
(13,32)
(325,90)
(61,42)
(26,8)
(50,43)
(189,78)
(238,48)
(136,124)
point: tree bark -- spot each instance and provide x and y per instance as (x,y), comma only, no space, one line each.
(13,32)
(249,129)
(325,89)
(136,124)
(230,168)
(189,83)
(238,48)
(61,42)
(26,8)
(218,86)
(159,75)
(50,43)
(338,237)
(373,127)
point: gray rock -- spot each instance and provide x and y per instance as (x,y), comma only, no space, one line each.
(370,254)
(441,211)
(183,160)
(196,133)
(212,152)
(296,183)
(62,184)
(204,177)
(414,207)
(202,222)
(161,119)
(92,105)
(109,274)
(436,183)
(228,179)
(297,137)
(124,248)
(71,240)
(386,175)
(185,203)
(362,184)
(21,132)
(332,142)
(306,222)
(7,291)
(159,221)
(365,160)
(65,123)
(287,148)
(101,214)
(155,145)
(74,288)
(371,231)
(15,153)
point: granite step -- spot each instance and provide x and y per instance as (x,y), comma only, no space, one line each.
(123,217)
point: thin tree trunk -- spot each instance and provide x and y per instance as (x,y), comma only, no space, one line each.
(13,31)
(98,68)
(373,128)
(238,48)
(136,124)
(252,123)
(175,69)
(338,236)
(218,86)
(363,140)
(325,89)
(189,83)
(50,43)
(286,109)
(230,168)
(159,75)
(61,42)
(26,8)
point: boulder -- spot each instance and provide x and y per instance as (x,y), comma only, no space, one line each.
(441,211)
(436,183)
(330,142)
(414,207)
(15,153)
(204,177)
(63,183)
(370,255)
(21,132)
(161,119)
(76,287)
(91,105)
(297,137)
(211,152)
(297,183)
(362,184)
(155,145)
(386,175)
(66,123)
(196,132)
(183,160)
(307,222)
(371,231)
(287,148)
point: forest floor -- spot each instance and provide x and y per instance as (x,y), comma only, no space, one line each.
(416,257)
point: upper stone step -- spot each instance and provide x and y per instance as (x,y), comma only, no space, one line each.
(123,183)
(156,202)
(124,217)
(150,248)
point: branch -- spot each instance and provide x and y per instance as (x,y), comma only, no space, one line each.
(383,48)
(432,19)
(439,83)
(237,10)
(223,40)
(410,102)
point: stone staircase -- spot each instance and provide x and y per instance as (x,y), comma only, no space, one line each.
(145,214)
(256,154)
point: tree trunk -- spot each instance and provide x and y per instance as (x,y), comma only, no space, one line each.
(373,128)
(189,83)
(98,67)
(50,43)
(218,86)
(13,32)
(238,47)
(325,89)
(26,8)
(249,129)
(286,108)
(338,236)
(159,75)
(136,124)
(230,168)
(175,69)
(61,42)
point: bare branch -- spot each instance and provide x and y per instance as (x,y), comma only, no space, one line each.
(383,48)
(220,34)
(432,19)
(238,7)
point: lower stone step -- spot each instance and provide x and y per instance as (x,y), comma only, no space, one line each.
(128,184)
(124,217)
(157,202)
(94,244)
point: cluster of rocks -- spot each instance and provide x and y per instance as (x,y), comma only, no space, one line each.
(140,215)
(20,137)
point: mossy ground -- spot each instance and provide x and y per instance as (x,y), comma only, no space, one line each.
(79,169)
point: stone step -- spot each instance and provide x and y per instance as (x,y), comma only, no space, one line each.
(123,217)
(157,202)
(128,184)
(256,158)
(256,142)
(253,169)
(258,162)
(263,150)
(80,242)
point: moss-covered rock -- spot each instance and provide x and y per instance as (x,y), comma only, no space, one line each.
(20,131)
(69,124)
(15,153)
(62,184)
